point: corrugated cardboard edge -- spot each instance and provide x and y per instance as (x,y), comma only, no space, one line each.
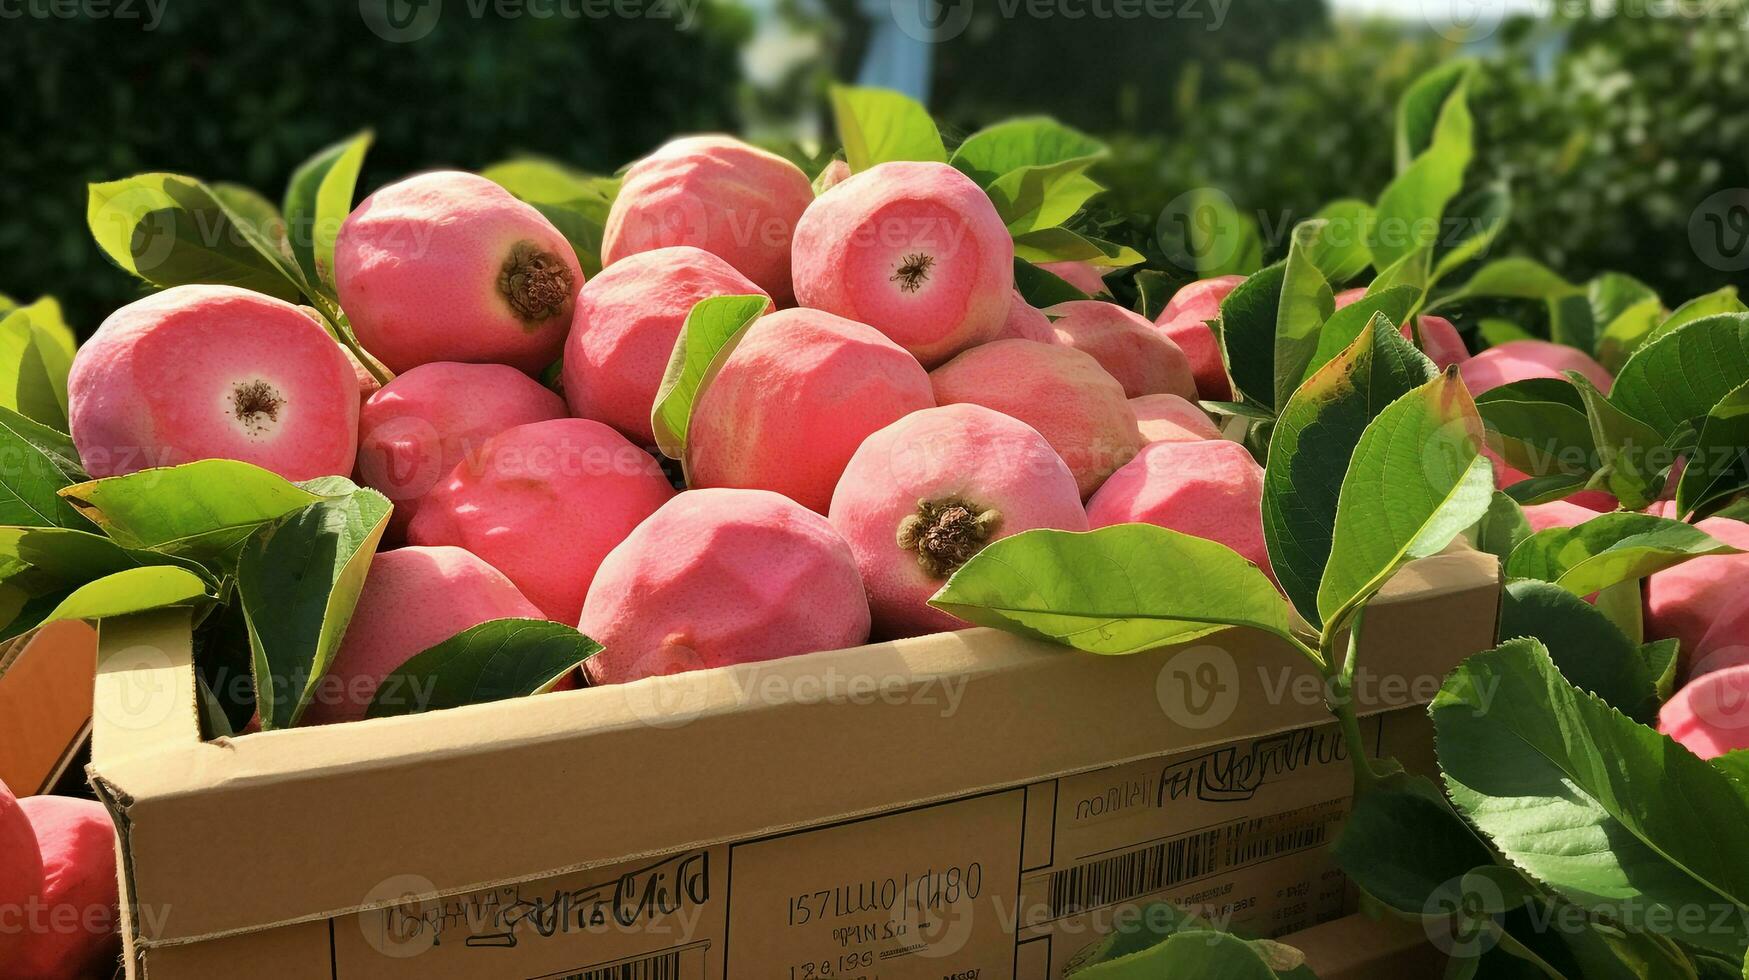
(161,766)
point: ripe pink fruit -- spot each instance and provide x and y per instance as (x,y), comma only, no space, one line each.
(719,577)
(1726,643)
(1519,360)
(1212,489)
(1506,475)
(1026,322)
(1127,346)
(1710,714)
(448,266)
(1059,391)
(1169,418)
(75,930)
(415,430)
(915,250)
(413,599)
(794,399)
(203,372)
(1184,321)
(1685,601)
(1084,276)
(735,201)
(925,494)
(1444,345)
(544,503)
(21,875)
(627,320)
(1557,513)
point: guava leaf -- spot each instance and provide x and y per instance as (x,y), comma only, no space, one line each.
(1193,953)
(1609,549)
(134,590)
(36,353)
(317,200)
(1721,300)
(1345,324)
(1153,291)
(1677,379)
(1420,108)
(1718,468)
(202,510)
(879,126)
(1063,245)
(1017,144)
(298,579)
(1340,250)
(503,658)
(1513,278)
(1502,528)
(1247,334)
(1410,210)
(706,340)
(1117,590)
(1407,869)
(1539,426)
(1590,652)
(1483,214)
(258,213)
(576,203)
(1557,780)
(1627,448)
(43,561)
(171,230)
(41,462)
(1312,443)
(1306,302)
(1041,288)
(1416,480)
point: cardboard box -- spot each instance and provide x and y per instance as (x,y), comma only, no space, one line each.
(45,704)
(961,805)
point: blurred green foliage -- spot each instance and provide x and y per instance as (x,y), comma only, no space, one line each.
(245,92)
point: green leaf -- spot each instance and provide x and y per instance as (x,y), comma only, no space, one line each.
(40,462)
(1421,107)
(202,510)
(1247,334)
(1514,278)
(1153,291)
(36,352)
(576,203)
(298,579)
(1484,213)
(1203,233)
(171,230)
(1024,143)
(1193,953)
(47,560)
(1502,528)
(878,126)
(1496,331)
(1041,288)
(1626,448)
(1340,250)
(1414,270)
(503,658)
(1609,549)
(1310,448)
(1662,657)
(1539,426)
(1306,302)
(1117,590)
(1063,245)
(1676,379)
(713,327)
(1416,481)
(1404,846)
(255,211)
(1721,300)
(1345,324)
(1558,781)
(1041,197)
(1585,646)
(134,590)
(317,201)
(1718,468)
(1411,208)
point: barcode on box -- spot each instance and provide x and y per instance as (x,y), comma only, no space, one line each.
(1187,857)
(662,966)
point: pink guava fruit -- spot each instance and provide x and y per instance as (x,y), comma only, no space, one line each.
(736,201)
(925,494)
(413,432)
(368,384)
(1126,345)
(1710,714)
(449,266)
(915,250)
(719,577)
(544,503)
(1685,601)
(1026,322)
(413,599)
(1726,642)
(1506,475)
(204,372)
(1444,345)
(21,877)
(1169,418)
(1211,489)
(627,320)
(801,390)
(1084,276)
(1184,321)
(835,173)
(74,929)
(1521,360)
(1557,513)
(1059,391)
